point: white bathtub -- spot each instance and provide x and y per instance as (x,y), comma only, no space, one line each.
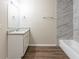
(70,47)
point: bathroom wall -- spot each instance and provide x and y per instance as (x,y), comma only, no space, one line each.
(76,19)
(3,29)
(40,16)
(65,19)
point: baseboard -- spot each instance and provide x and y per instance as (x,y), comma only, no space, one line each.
(42,44)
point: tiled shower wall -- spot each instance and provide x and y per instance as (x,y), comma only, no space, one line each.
(65,19)
(76,19)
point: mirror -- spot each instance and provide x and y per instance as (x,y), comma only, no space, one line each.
(13,15)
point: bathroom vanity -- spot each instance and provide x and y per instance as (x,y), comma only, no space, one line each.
(18,41)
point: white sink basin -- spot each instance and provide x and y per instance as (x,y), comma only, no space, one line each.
(18,31)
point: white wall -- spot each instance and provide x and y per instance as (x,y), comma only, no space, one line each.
(43,30)
(3,26)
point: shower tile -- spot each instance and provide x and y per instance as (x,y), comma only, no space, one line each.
(65,19)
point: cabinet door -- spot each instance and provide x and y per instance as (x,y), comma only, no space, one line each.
(26,41)
(15,46)
(25,44)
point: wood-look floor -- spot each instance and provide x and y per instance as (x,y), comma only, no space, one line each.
(45,53)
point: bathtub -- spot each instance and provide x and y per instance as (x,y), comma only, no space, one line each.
(70,47)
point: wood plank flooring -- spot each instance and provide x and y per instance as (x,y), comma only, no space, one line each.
(45,53)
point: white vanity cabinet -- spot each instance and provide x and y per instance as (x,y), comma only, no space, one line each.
(17,44)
